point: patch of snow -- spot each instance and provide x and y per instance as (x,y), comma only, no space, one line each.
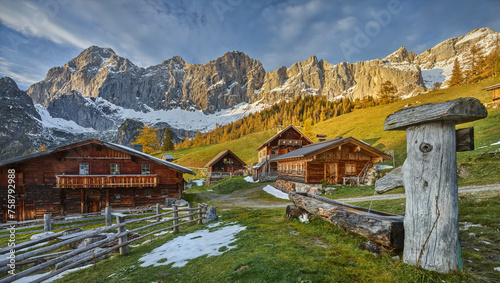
(497,269)
(497,143)
(199,182)
(383,167)
(50,122)
(183,248)
(467,225)
(275,192)
(249,179)
(162,233)
(433,76)
(32,278)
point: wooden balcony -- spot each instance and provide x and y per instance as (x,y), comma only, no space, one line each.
(106,181)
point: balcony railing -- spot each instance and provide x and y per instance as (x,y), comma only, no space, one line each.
(106,181)
(290,142)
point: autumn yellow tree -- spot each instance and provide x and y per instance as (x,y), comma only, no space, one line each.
(148,139)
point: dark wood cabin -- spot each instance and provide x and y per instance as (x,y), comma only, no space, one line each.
(289,139)
(225,164)
(495,89)
(336,161)
(86,177)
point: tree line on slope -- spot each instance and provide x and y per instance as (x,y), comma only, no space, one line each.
(302,111)
(476,65)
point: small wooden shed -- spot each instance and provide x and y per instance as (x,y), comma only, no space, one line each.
(496,93)
(335,161)
(85,177)
(223,165)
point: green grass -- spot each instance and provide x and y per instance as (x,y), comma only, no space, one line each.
(272,248)
(356,191)
(226,186)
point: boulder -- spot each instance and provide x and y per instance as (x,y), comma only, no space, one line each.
(211,215)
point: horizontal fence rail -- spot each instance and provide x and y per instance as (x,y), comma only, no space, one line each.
(52,259)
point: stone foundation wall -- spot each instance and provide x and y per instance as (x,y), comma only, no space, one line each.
(288,186)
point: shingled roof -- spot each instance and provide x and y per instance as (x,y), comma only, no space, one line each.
(320,147)
(106,144)
(282,131)
(221,155)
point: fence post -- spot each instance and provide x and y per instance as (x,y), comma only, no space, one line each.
(200,211)
(204,212)
(47,225)
(123,239)
(158,211)
(107,214)
(190,212)
(176,221)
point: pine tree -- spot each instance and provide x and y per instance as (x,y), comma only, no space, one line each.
(167,140)
(147,138)
(456,74)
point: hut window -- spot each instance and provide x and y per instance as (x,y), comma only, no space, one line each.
(84,168)
(118,198)
(164,193)
(350,168)
(115,169)
(148,193)
(145,169)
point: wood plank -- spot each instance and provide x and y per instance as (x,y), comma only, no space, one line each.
(461,110)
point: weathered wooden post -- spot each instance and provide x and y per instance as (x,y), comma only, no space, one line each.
(190,206)
(176,221)
(119,220)
(47,225)
(429,176)
(200,213)
(203,212)
(107,215)
(158,211)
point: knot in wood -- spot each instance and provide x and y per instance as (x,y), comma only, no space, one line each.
(425,147)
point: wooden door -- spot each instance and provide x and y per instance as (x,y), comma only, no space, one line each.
(331,173)
(93,201)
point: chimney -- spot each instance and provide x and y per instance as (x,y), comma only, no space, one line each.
(138,147)
(279,129)
(321,138)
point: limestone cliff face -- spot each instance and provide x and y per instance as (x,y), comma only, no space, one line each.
(99,72)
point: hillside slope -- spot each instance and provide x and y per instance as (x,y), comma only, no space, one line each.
(367,125)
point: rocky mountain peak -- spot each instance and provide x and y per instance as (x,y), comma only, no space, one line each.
(401,55)
(6,84)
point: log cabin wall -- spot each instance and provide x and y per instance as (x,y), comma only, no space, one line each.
(343,161)
(37,191)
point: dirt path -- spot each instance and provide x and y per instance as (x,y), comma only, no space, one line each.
(252,197)
(461,190)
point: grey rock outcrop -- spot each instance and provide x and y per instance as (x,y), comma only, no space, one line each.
(211,215)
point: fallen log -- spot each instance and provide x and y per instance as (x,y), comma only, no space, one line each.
(379,227)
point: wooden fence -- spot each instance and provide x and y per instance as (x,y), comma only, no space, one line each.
(67,238)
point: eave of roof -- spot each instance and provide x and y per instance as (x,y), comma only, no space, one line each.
(222,154)
(107,144)
(492,87)
(327,145)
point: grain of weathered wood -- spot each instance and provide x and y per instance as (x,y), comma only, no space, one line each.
(430,178)
(379,227)
(465,109)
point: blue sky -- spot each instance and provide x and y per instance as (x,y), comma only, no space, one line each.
(39,34)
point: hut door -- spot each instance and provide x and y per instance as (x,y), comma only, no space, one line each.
(331,173)
(93,202)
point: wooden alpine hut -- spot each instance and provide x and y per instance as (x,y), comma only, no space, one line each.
(340,160)
(285,141)
(86,177)
(224,165)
